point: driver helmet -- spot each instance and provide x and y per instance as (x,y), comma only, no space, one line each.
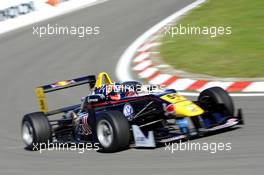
(111,91)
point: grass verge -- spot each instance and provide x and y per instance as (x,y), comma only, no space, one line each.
(240,54)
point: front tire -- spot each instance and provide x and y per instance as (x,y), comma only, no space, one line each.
(112,130)
(216,98)
(35,130)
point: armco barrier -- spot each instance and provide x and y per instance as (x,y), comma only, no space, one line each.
(15,8)
(19,13)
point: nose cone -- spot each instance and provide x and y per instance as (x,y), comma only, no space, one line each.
(180,106)
(187,109)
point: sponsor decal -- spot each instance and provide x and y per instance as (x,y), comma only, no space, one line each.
(169,109)
(83,125)
(175,138)
(128,110)
(62,83)
(141,140)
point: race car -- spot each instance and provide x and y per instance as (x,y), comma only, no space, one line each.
(128,114)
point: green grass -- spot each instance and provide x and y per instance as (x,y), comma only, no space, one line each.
(240,54)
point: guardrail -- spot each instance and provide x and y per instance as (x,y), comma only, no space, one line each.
(19,13)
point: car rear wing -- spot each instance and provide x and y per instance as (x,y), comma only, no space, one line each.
(42,90)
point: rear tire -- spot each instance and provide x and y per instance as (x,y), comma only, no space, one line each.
(112,131)
(35,130)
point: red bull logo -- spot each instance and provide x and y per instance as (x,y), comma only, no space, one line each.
(62,83)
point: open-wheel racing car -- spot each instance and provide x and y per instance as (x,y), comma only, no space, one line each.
(119,115)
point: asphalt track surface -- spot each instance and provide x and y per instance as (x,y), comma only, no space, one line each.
(28,61)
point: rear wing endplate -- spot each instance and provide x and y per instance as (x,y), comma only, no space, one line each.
(42,90)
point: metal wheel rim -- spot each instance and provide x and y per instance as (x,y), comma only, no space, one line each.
(105,133)
(27,133)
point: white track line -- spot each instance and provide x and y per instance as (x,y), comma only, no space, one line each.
(196,94)
(256,86)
